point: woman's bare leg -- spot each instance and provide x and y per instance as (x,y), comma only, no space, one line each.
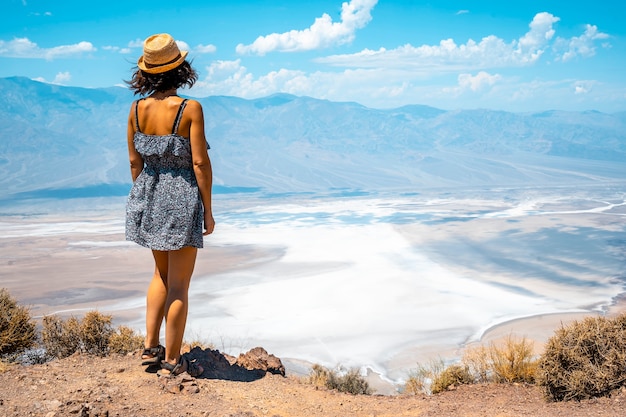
(180,268)
(156,298)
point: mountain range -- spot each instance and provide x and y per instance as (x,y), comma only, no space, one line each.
(65,141)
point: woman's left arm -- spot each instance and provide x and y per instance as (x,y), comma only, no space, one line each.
(201,162)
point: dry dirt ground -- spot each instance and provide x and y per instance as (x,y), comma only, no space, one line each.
(88,386)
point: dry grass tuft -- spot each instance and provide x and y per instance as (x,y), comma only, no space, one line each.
(512,361)
(509,361)
(421,379)
(478,361)
(124,340)
(350,381)
(453,375)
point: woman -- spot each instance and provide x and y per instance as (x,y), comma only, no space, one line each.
(169,205)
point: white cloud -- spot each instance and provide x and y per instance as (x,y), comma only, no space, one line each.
(366,86)
(579,89)
(231,78)
(479,82)
(137,43)
(532,45)
(62,78)
(583,87)
(445,75)
(24,48)
(490,52)
(183,46)
(205,49)
(582,45)
(322,33)
(388,88)
(117,49)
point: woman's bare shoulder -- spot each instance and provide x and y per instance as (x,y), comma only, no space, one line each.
(195,104)
(193,107)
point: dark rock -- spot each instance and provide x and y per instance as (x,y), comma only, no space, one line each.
(247,367)
(259,359)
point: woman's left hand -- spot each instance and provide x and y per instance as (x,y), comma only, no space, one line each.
(209,224)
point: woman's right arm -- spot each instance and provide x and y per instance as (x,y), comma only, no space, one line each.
(136,161)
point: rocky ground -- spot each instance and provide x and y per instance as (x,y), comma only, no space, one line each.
(88,386)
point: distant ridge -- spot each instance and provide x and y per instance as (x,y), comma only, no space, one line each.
(55,137)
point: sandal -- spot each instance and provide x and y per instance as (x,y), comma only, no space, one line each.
(193,368)
(153,356)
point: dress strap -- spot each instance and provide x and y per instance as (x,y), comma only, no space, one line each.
(137,114)
(179,116)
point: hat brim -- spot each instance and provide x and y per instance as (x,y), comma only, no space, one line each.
(161,68)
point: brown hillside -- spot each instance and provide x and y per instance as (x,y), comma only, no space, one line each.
(89,386)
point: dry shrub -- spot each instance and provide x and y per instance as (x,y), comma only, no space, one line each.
(512,361)
(318,376)
(584,360)
(350,382)
(453,375)
(60,338)
(124,340)
(96,330)
(17,330)
(90,335)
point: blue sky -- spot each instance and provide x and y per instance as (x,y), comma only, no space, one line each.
(502,55)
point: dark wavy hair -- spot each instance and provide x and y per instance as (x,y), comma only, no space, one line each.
(145,83)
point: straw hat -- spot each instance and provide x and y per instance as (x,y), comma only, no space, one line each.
(160,54)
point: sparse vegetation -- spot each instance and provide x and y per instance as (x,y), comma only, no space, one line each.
(584,360)
(60,338)
(196,341)
(319,376)
(93,334)
(420,380)
(349,381)
(513,361)
(451,376)
(510,361)
(478,360)
(17,330)
(96,331)
(125,340)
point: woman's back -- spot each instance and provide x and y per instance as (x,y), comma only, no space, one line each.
(157,116)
